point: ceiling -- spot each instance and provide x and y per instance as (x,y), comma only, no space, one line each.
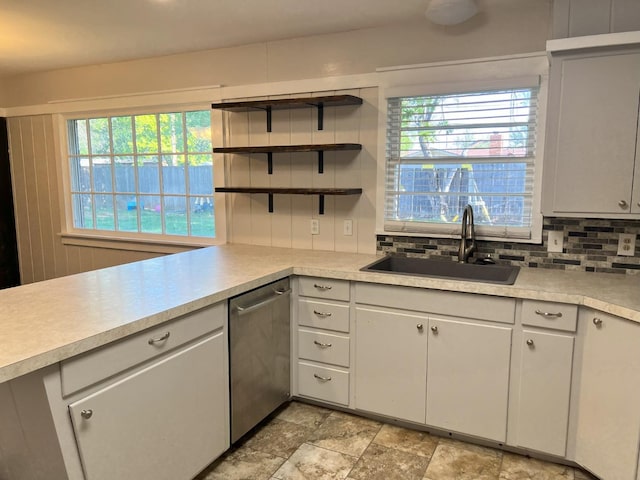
(38,35)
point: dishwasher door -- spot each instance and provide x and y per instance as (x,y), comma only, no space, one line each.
(259,354)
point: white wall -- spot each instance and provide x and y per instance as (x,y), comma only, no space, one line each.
(521,27)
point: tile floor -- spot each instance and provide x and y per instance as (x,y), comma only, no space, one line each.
(312,443)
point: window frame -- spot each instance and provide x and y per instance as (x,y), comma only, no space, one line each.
(450,78)
(139,241)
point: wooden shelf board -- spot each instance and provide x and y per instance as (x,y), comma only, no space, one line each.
(286,103)
(291,191)
(290,148)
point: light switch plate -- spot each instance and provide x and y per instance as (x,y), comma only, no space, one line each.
(556,241)
(315,226)
(348,228)
(627,244)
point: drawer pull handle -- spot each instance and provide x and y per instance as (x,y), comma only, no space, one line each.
(322,314)
(324,379)
(322,287)
(153,341)
(548,314)
(623,204)
(597,322)
(420,327)
(434,329)
(322,345)
(530,342)
(86,414)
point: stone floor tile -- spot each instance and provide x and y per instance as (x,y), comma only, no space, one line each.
(242,464)
(580,474)
(383,463)
(345,433)
(518,467)
(406,440)
(470,446)
(310,462)
(304,414)
(451,462)
(279,438)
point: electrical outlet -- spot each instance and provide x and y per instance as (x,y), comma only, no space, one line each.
(315,226)
(627,244)
(348,228)
(556,241)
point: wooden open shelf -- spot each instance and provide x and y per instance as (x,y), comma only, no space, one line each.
(321,192)
(271,149)
(289,103)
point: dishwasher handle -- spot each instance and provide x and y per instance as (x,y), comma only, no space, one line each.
(276,295)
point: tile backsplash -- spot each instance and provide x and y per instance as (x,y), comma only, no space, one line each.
(590,245)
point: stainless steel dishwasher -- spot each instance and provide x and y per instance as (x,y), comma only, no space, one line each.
(259,354)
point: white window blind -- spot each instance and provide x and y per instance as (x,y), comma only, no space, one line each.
(446,151)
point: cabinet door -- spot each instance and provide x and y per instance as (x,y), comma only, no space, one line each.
(468,378)
(593,133)
(167,421)
(545,385)
(609,397)
(391,363)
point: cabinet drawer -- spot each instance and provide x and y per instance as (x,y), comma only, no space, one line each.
(96,365)
(323,383)
(323,347)
(558,316)
(326,315)
(324,288)
(467,305)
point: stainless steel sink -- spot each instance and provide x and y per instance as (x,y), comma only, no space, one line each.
(501,274)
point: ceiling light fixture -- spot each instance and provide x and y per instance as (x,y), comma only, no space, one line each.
(450,12)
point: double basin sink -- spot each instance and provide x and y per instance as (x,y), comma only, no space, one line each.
(471,272)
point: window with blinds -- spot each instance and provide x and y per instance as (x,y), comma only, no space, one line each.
(446,151)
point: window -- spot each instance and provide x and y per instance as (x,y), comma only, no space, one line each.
(144,174)
(446,151)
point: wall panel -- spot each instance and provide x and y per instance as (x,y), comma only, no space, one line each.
(35,167)
(290,223)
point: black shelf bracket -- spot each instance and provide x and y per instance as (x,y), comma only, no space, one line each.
(320,161)
(321,204)
(268,110)
(270,163)
(270,202)
(320,116)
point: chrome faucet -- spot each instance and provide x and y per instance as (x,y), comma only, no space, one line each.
(468,233)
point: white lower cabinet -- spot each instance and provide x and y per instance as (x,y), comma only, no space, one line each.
(468,377)
(159,423)
(544,391)
(391,363)
(608,430)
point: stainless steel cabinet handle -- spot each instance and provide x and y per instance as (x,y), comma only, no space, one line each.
(322,287)
(622,204)
(324,379)
(597,322)
(420,327)
(86,414)
(164,337)
(530,342)
(548,314)
(322,345)
(322,314)
(249,308)
(434,329)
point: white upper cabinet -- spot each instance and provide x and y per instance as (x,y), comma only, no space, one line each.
(592,134)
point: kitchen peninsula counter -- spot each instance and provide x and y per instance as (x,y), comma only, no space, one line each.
(46,322)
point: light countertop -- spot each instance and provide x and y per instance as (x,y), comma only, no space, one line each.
(46,322)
